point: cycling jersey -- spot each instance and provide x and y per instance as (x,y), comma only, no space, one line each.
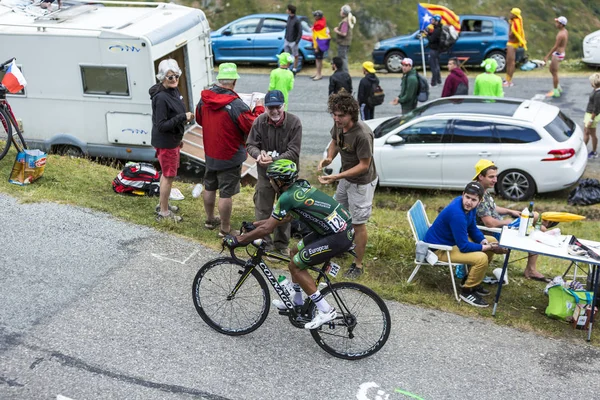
(319,211)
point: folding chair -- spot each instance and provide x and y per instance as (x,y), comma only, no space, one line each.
(419,224)
(462,61)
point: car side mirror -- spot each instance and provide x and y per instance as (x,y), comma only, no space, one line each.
(395,140)
(227,32)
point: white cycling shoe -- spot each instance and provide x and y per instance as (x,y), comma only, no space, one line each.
(281,306)
(321,318)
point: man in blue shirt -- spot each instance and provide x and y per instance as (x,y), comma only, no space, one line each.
(456,227)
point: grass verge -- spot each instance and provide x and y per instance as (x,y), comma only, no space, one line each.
(390,251)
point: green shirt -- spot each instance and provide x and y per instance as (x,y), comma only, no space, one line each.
(282,79)
(319,211)
(488,85)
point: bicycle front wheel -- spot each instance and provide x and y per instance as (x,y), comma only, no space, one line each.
(362,325)
(5,133)
(228,313)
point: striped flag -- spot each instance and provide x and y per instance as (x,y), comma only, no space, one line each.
(449,17)
(13,78)
(321,36)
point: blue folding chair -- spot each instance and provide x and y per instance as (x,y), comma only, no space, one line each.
(419,224)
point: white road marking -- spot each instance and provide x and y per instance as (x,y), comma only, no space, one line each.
(162,257)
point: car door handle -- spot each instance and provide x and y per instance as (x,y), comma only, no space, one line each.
(248,39)
(485,153)
(433,155)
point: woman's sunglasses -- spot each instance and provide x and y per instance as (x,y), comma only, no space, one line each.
(171,77)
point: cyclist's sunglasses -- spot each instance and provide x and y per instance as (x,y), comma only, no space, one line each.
(171,77)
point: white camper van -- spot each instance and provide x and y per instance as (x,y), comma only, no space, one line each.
(89,67)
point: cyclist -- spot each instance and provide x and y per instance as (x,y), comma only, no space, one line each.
(331,226)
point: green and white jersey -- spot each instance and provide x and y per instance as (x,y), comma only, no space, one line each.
(319,211)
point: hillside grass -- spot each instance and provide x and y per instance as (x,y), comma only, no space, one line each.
(389,259)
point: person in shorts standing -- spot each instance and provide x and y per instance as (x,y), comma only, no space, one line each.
(353,141)
(293,34)
(592,115)
(226,121)
(516,39)
(321,41)
(557,54)
(168,125)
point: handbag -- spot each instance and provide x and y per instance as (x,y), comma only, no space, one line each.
(28,167)
(562,301)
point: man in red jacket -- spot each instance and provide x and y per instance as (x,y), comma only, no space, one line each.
(226,121)
(456,82)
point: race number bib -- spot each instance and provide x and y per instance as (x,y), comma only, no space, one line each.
(335,222)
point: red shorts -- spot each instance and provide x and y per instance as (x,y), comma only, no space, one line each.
(169,161)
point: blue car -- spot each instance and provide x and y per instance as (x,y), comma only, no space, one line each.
(481,37)
(258,38)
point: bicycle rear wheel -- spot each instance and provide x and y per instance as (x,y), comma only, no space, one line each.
(5,133)
(234,315)
(362,325)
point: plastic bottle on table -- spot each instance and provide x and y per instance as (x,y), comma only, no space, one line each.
(523,222)
(530,220)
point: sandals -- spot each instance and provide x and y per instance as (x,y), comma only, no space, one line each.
(171,208)
(222,233)
(212,223)
(169,217)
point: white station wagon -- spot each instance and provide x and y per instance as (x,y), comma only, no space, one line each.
(536,147)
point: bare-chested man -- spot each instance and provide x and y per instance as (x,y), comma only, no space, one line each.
(557,54)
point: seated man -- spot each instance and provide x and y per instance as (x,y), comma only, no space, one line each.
(492,216)
(332,233)
(456,227)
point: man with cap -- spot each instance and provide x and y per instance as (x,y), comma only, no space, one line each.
(282,78)
(455,226)
(488,84)
(492,216)
(275,135)
(226,121)
(557,54)
(366,87)
(340,79)
(516,39)
(410,87)
(434,50)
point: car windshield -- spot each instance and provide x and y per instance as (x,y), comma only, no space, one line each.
(561,128)
(394,122)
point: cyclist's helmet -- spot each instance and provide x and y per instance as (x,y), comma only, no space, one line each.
(284,171)
(437,18)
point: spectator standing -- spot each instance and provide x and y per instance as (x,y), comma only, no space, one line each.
(516,39)
(293,34)
(344,34)
(457,82)
(353,141)
(321,41)
(282,78)
(557,54)
(410,87)
(340,79)
(455,226)
(168,125)
(592,115)
(488,83)
(434,51)
(365,90)
(275,135)
(492,216)
(226,121)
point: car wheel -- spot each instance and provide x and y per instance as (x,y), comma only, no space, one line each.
(500,58)
(393,61)
(515,185)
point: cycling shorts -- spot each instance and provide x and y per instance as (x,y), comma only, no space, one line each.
(315,249)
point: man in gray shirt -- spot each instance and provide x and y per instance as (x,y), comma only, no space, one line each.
(353,140)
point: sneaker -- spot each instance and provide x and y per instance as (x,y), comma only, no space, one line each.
(560,89)
(171,208)
(212,223)
(281,306)
(321,318)
(553,93)
(170,216)
(480,290)
(473,299)
(284,252)
(353,272)
(592,154)
(507,84)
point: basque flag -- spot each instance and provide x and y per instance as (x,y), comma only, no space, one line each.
(14,79)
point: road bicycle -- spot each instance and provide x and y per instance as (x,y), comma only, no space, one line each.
(233,298)
(10,132)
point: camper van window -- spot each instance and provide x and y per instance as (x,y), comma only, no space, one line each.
(107,81)
(20,92)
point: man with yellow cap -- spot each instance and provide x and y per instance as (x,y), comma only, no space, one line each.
(366,87)
(492,216)
(282,78)
(516,39)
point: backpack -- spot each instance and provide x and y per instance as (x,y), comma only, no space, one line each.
(138,179)
(447,38)
(461,89)
(423,93)
(377,96)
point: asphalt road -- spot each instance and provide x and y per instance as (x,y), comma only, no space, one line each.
(308,100)
(95,308)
